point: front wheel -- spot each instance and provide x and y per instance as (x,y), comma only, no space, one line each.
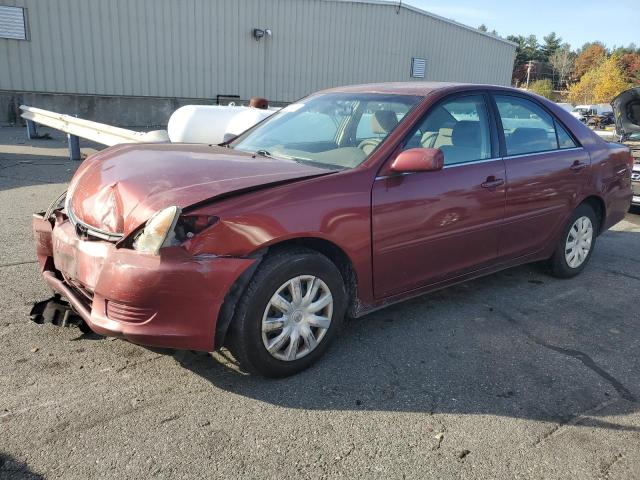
(576,244)
(289,313)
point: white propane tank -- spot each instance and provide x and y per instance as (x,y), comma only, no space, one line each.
(244,120)
(211,123)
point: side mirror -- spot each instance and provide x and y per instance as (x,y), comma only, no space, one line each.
(418,160)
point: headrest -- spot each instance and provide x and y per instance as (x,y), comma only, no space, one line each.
(383,121)
(466,133)
(528,136)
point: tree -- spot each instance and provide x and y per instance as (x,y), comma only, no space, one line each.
(588,57)
(542,87)
(532,48)
(562,63)
(600,84)
(520,41)
(483,28)
(519,71)
(552,43)
(630,63)
(631,48)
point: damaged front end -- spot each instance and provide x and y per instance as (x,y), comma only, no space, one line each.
(126,287)
(54,310)
(57,312)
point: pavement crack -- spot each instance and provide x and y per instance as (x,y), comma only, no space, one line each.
(606,467)
(170,419)
(585,359)
(36,180)
(13,264)
(573,420)
(588,362)
(4,167)
(620,257)
(618,272)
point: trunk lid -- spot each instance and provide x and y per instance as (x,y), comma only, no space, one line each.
(626,108)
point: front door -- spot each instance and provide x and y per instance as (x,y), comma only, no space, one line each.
(431,226)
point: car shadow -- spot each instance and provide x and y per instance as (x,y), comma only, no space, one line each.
(10,467)
(518,343)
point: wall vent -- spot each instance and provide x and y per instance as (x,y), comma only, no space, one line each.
(12,23)
(418,67)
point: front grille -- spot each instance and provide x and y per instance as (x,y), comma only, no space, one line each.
(87,232)
(127,313)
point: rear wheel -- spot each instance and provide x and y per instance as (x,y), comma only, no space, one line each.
(290,312)
(576,244)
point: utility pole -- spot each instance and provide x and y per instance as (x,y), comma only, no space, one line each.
(529,65)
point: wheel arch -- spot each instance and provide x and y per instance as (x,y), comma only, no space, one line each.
(323,246)
(599,206)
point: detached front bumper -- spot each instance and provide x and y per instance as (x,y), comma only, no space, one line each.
(171,300)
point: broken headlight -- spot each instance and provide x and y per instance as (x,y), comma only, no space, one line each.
(168,228)
(188,226)
(157,231)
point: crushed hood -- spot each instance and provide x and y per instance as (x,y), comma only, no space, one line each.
(118,189)
(626,108)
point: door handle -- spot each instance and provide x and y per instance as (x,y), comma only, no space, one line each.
(577,166)
(492,182)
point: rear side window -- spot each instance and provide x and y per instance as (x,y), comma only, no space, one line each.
(459,127)
(564,139)
(527,127)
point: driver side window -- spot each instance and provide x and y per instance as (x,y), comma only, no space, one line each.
(459,127)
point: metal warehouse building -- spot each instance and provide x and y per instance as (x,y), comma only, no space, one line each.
(90,57)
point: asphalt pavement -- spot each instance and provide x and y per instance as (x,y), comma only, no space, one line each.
(514,376)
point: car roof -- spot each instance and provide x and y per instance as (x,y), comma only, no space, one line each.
(411,88)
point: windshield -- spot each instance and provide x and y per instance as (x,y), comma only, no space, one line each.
(338,130)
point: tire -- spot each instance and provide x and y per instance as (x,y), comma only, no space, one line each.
(559,264)
(276,279)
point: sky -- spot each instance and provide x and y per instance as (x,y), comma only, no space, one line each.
(577,22)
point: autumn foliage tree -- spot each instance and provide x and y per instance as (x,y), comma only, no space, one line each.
(631,65)
(568,68)
(601,83)
(589,56)
(542,87)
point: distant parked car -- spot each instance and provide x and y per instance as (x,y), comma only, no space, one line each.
(340,204)
(585,112)
(626,107)
(566,106)
(601,121)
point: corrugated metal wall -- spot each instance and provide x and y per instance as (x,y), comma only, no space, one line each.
(202,48)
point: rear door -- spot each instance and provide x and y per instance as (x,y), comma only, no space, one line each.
(432,226)
(546,169)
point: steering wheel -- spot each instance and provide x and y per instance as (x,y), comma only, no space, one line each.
(369,142)
(429,140)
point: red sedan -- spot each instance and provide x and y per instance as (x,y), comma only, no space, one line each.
(342,203)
